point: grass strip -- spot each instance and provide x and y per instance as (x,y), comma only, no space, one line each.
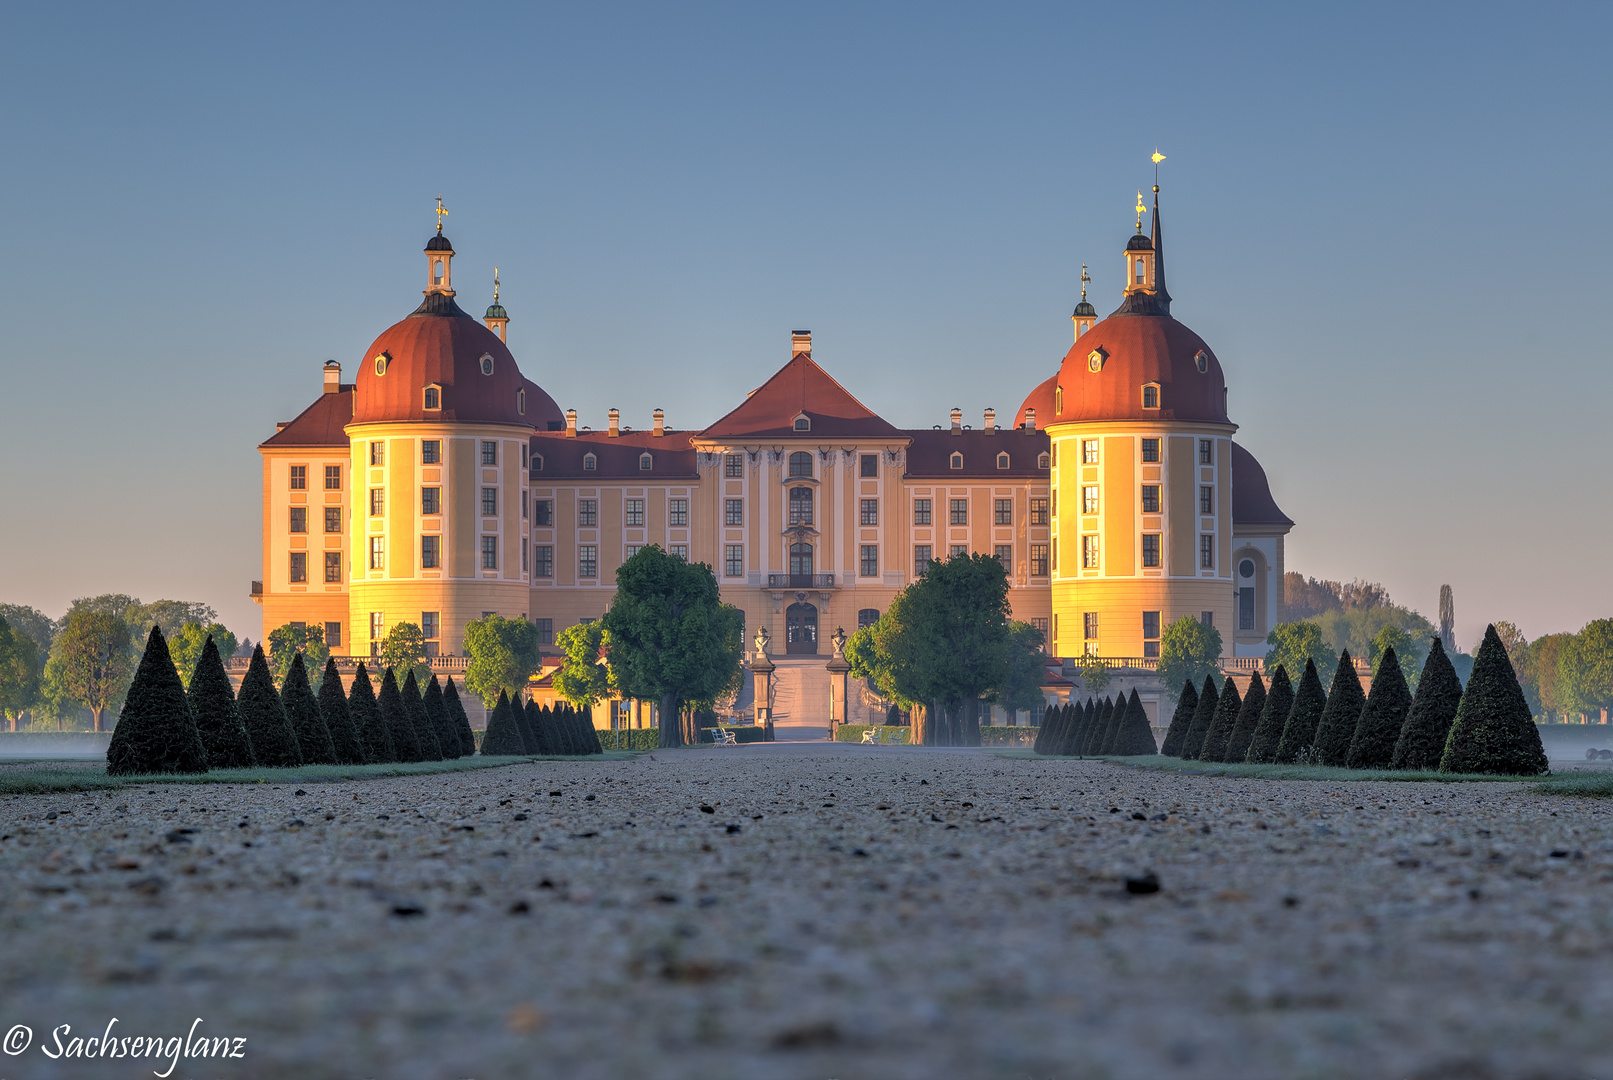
(1574,782)
(29,778)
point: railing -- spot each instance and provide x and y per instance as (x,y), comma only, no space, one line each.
(348,663)
(800,581)
(257,589)
(1238,665)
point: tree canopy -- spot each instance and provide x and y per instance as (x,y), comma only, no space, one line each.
(20,669)
(503,655)
(287,642)
(1188,652)
(187,641)
(584,676)
(404,651)
(1292,644)
(93,661)
(1019,685)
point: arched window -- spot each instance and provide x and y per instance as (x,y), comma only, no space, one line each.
(800,463)
(1058,401)
(800,506)
(867,617)
(381,362)
(645,463)
(487,363)
(803,423)
(1141,270)
(1150,396)
(589,463)
(436,271)
(537,462)
(1043,461)
(433,397)
(957,460)
(520,402)
(1002,460)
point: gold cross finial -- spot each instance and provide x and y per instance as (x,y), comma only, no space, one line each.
(1085,281)
(495,284)
(1140,209)
(442,213)
(1158,157)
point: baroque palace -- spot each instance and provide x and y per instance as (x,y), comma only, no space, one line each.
(441,485)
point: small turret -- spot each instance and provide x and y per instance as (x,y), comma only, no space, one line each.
(439,259)
(1085,314)
(497,319)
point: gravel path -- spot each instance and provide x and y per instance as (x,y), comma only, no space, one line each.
(816,911)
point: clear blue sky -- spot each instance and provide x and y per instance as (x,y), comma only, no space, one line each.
(1389,221)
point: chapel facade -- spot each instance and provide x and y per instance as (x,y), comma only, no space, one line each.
(442,485)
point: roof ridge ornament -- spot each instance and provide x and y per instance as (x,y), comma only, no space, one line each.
(1140,210)
(442,212)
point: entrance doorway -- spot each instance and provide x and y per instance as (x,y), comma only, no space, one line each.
(801,629)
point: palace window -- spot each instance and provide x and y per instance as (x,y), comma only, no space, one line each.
(867,617)
(733,465)
(299,478)
(635,513)
(869,464)
(489,453)
(537,464)
(430,451)
(377,453)
(1150,498)
(921,559)
(377,553)
(1206,499)
(587,513)
(646,462)
(677,511)
(1005,555)
(523,504)
(587,561)
(333,634)
(870,560)
(489,502)
(333,519)
(733,563)
(543,560)
(1041,627)
(679,551)
(1150,450)
(957,460)
(870,511)
(1151,634)
(520,402)
(1089,500)
(1207,551)
(542,511)
(432,398)
(634,549)
(1002,460)
(800,463)
(589,463)
(545,629)
(1089,551)
(487,363)
(333,478)
(333,567)
(1038,560)
(489,553)
(430,552)
(299,566)
(921,511)
(1043,461)
(377,625)
(958,549)
(431,500)
(1089,451)
(377,502)
(1246,608)
(1089,625)
(299,519)
(733,511)
(1038,511)
(1003,512)
(1150,549)
(803,423)
(800,506)
(430,625)
(1206,452)
(959,511)
(1150,396)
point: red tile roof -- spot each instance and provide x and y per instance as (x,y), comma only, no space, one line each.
(615,459)
(801,386)
(930,454)
(320,424)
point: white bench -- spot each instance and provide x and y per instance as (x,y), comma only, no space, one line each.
(871,736)
(896,736)
(723,738)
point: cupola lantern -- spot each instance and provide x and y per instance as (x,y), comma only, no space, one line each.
(439,259)
(497,319)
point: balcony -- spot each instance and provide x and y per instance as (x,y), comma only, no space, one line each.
(257,592)
(801,581)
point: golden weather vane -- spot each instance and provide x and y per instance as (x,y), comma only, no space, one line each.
(1085,281)
(1158,157)
(1140,209)
(495,284)
(442,213)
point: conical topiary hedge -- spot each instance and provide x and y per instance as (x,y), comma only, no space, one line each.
(1243,729)
(274,744)
(523,721)
(1344,704)
(533,730)
(1039,746)
(339,717)
(156,732)
(1299,730)
(425,733)
(302,709)
(1428,721)
(1384,714)
(457,718)
(1203,719)
(395,715)
(1226,718)
(503,736)
(1135,736)
(1273,718)
(437,713)
(373,735)
(1181,721)
(218,722)
(1493,731)
(592,732)
(1074,728)
(1092,743)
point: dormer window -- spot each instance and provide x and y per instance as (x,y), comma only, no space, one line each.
(957,460)
(520,402)
(1201,360)
(381,363)
(432,397)
(803,423)
(645,463)
(1002,460)
(1058,401)
(537,462)
(487,363)
(1095,360)
(589,463)
(1150,395)
(1043,461)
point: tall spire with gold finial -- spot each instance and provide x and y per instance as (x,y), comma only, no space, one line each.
(1159,242)
(497,319)
(1085,314)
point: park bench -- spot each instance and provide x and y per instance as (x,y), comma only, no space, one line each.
(896,736)
(723,737)
(871,736)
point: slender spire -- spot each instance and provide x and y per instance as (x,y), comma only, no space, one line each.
(1159,249)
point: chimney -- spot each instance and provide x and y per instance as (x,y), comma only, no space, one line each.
(957,421)
(571,423)
(615,427)
(1030,419)
(660,423)
(333,377)
(991,421)
(800,342)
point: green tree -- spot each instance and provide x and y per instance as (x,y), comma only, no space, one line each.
(1428,721)
(32,624)
(673,639)
(1292,644)
(1299,730)
(93,661)
(307,722)
(1273,718)
(1203,720)
(288,642)
(584,676)
(867,651)
(186,643)
(1187,702)
(1355,626)
(156,732)
(170,615)
(1408,654)
(1243,729)
(503,655)
(338,716)
(274,744)
(1493,731)
(20,669)
(1382,717)
(1189,651)
(1344,704)
(404,651)
(1544,670)
(1585,670)
(1019,686)
(218,720)
(1093,673)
